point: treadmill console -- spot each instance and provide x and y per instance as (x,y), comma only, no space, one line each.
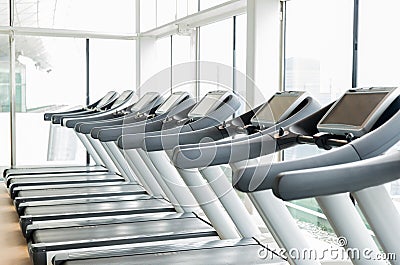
(278,108)
(210,102)
(173,100)
(357,110)
(147,99)
(122,98)
(106,99)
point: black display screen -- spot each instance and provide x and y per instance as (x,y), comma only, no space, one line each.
(275,108)
(353,109)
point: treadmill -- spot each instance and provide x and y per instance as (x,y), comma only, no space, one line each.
(52,237)
(14,181)
(174,104)
(362,170)
(355,121)
(238,251)
(380,104)
(77,197)
(102,104)
(22,182)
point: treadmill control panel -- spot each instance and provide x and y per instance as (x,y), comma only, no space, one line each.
(122,98)
(173,100)
(210,102)
(357,110)
(106,99)
(147,99)
(278,108)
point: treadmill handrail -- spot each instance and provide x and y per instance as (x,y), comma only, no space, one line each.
(370,145)
(341,178)
(57,119)
(133,141)
(215,133)
(246,147)
(70,121)
(48,115)
(131,126)
(113,119)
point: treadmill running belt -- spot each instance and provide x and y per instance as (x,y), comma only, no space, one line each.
(58,169)
(80,190)
(217,256)
(108,232)
(139,205)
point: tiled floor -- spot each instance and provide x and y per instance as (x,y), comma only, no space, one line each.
(13,250)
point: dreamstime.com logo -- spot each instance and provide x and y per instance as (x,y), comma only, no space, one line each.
(333,252)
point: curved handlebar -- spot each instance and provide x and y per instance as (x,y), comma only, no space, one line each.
(336,179)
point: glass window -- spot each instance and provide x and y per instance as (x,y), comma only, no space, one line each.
(186,7)
(183,63)
(49,80)
(5,13)
(240,56)
(159,70)
(205,4)
(319,54)
(4,102)
(112,66)
(378,53)
(319,61)
(149,20)
(166,11)
(117,16)
(216,46)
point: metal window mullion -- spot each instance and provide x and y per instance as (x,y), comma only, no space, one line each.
(87,87)
(282,47)
(138,47)
(355,44)
(12,88)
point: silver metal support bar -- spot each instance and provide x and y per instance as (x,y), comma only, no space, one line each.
(125,167)
(346,222)
(279,221)
(144,172)
(209,203)
(115,161)
(174,181)
(160,180)
(142,181)
(90,149)
(102,154)
(383,217)
(219,183)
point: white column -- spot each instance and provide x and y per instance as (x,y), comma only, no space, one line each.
(263,46)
